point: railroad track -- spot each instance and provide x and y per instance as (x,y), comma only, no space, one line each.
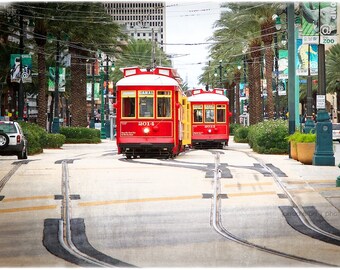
(217,223)
(8,176)
(65,233)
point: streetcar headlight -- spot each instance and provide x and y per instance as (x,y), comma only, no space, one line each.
(146,130)
(209,130)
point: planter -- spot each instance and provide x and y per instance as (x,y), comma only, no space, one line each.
(293,150)
(305,152)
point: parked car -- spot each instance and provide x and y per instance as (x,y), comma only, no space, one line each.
(12,140)
(336,131)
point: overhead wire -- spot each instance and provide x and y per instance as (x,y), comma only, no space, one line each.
(164,44)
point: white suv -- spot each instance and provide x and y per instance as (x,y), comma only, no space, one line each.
(12,140)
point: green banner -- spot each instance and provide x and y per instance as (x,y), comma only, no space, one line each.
(51,80)
(26,70)
(283,64)
(89,91)
(323,32)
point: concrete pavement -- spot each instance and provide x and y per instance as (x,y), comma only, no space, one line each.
(308,185)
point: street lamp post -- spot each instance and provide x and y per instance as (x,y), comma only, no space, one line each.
(220,74)
(323,155)
(291,68)
(220,69)
(106,63)
(277,74)
(102,127)
(92,97)
(21,86)
(309,125)
(55,123)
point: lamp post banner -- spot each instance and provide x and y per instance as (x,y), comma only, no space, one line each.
(26,71)
(62,80)
(326,30)
(283,64)
(302,58)
(89,90)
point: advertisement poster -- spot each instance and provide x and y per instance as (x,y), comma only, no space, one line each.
(283,64)
(319,22)
(89,91)
(26,71)
(51,80)
(302,58)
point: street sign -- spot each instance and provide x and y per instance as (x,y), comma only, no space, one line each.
(321,102)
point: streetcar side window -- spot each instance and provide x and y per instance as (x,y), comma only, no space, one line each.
(163,104)
(209,113)
(220,113)
(198,109)
(145,103)
(128,104)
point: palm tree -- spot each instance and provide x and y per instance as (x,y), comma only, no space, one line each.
(237,78)
(255,92)
(251,24)
(264,14)
(139,53)
(83,43)
(69,24)
(40,33)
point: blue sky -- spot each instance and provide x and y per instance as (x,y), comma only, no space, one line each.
(190,22)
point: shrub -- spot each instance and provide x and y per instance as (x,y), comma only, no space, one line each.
(38,138)
(233,127)
(269,137)
(36,129)
(80,135)
(241,135)
(55,140)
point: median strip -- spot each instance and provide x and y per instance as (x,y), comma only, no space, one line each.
(17,199)
(27,209)
(158,199)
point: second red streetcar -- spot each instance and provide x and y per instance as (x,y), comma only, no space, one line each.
(210,118)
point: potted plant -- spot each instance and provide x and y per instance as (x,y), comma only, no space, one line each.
(293,147)
(305,146)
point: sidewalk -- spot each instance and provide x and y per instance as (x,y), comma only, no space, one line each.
(308,184)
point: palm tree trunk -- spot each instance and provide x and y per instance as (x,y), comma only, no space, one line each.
(251,106)
(257,90)
(78,89)
(337,106)
(237,96)
(255,53)
(42,97)
(231,96)
(269,68)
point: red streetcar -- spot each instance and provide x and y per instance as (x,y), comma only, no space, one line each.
(153,115)
(210,118)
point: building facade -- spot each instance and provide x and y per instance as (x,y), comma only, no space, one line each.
(140,20)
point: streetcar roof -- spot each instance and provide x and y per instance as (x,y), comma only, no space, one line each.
(146,80)
(206,97)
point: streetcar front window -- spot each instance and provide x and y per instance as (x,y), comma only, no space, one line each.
(128,104)
(220,113)
(209,116)
(145,103)
(198,113)
(163,104)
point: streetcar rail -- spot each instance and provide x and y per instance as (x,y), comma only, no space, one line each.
(64,234)
(220,229)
